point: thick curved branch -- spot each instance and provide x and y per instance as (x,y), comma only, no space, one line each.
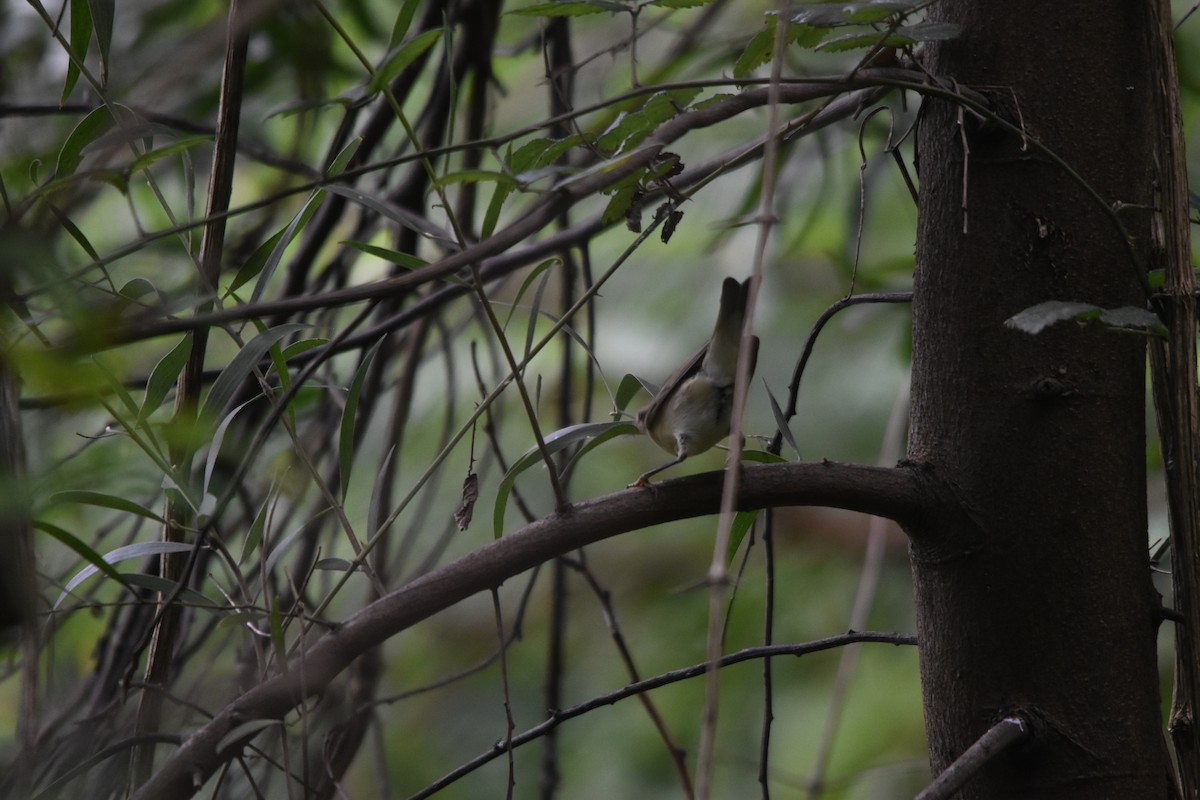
(899,493)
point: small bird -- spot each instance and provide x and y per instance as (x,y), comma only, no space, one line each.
(693,409)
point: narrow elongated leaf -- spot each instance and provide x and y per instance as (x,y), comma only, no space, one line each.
(103,500)
(140,550)
(103,12)
(404,55)
(556,441)
(346,430)
(568,9)
(280,244)
(240,366)
(81,39)
(179,145)
(163,377)
(403,22)
(627,389)
(89,129)
(80,547)
(214,450)
(784,430)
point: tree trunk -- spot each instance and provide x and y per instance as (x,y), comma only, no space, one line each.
(1043,604)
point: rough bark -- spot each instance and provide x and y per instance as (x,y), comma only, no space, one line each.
(1043,604)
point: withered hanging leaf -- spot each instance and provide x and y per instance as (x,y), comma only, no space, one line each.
(470,493)
(667,166)
(672,222)
(633,211)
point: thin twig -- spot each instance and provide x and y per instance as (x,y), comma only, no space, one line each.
(998,739)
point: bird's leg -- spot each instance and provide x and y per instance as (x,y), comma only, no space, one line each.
(644,480)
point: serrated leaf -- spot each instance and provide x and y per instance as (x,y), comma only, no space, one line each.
(404,55)
(1132,318)
(858,41)
(556,441)
(758,51)
(240,365)
(631,128)
(1127,318)
(570,9)
(163,377)
(140,550)
(1035,318)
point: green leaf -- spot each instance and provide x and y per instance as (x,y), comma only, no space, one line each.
(81,548)
(1035,318)
(742,522)
(631,128)
(404,55)
(140,550)
(163,377)
(784,430)
(571,9)
(394,256)
(144,161)
(556,441)
(346,429)
(89,129)
(240,366)
(271,262)
(758,51)
(403,22)
(103,12)
(678,3)
(627,389)
(303,346)
(214,450)
(254,535)
(81,39)
(257,260)
(1127,318)
(103,500)
(525,284)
